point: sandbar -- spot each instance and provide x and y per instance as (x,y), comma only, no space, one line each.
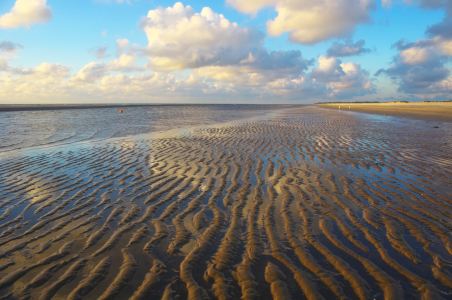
(428,111)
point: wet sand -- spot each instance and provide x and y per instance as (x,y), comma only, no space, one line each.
(303,204)
(38,107)
(429,111)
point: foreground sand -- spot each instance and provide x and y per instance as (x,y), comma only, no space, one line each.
(311,204)
(430,111)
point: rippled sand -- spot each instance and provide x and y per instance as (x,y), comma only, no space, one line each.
(312,204)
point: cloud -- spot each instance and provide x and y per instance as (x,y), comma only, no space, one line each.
(386,3)
(347,49)
(9,47)
(220,60)
(4,64)
(121,45)
(312,21)
(344,80)
(420,67)
(436,4)
(26,13)
(90,73)
(41,71)
(94,71)
(116,1)
(98,52)
(181,39)
(126,62)
(425,4)
(443,29)
(251,6)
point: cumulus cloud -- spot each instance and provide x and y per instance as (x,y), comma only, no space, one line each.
(90,73)
(121,46)
(26,13)
(344,80)
(312,21)
(443,29)
(126,62)
(4,65)
(251,6)
(181,39)
(94,71)
(10,47)
(436,4)
(215,48)
(347,49)
(219,59)
(115,1)
(41,71)
(420,67)
(44,81)
(99,52)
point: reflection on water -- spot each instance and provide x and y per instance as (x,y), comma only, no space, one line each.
(33,128)
(311,204)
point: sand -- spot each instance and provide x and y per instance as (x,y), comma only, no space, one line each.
(429,111)
(38,107)
(305,204)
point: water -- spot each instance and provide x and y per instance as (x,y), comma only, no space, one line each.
(24,129)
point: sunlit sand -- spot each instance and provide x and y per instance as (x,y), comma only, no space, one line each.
(432,111)
(306,203)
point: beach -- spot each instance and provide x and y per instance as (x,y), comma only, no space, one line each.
(229,203)
(429,111)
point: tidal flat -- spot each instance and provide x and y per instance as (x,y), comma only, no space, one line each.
(259,203)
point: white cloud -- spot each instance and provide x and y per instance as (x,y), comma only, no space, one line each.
(90,73)
(4,65)
(26,13)
(95,71)
(121,45)
(251,6)
(312,21)
(415,55)
(181,39)
(46,70)
(124,62)
(116,1)
(345,80)
(421,68)
(219,59)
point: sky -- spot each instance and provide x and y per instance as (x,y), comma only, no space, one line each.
(224,51)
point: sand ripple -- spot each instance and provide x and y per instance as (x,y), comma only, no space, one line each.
(312,204)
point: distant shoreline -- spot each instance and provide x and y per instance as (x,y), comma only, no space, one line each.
(36,107)
(428,111)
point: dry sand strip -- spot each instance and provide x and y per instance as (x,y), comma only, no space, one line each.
(306,204)
(428,111)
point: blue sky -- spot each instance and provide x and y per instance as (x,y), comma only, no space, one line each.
(48,51)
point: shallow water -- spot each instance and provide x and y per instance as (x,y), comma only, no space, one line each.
(23,129)
(310,203)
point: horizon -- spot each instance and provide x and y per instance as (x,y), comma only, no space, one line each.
(226,52)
